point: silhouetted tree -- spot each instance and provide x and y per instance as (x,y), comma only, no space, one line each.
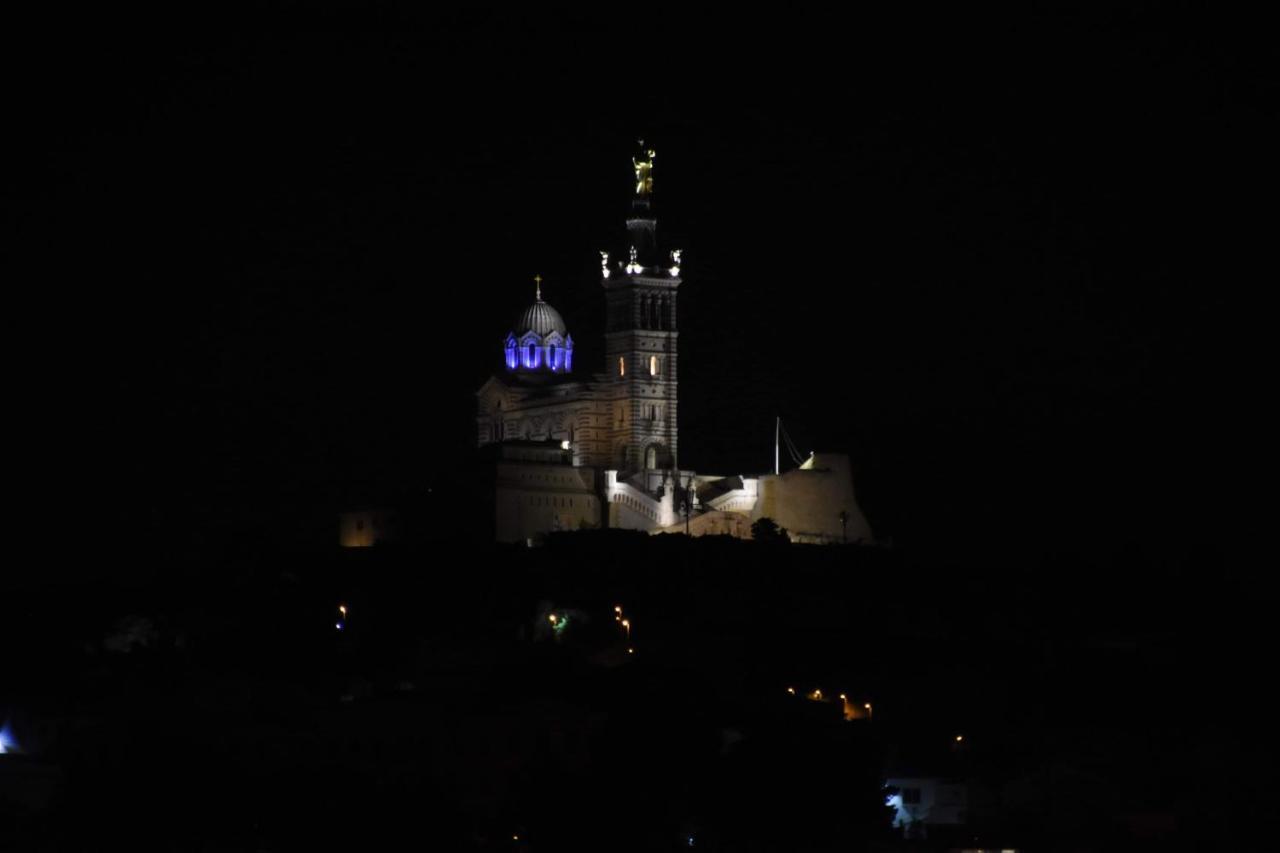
(767,530)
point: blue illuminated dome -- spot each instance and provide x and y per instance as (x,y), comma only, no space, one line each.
(540,341)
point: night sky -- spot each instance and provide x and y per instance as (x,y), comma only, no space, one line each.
(269,264)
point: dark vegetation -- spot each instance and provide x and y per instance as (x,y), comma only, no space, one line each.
(448,712)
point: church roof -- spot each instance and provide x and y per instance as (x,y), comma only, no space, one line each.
(541,319)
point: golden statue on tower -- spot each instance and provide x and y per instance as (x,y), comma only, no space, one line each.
(644,170)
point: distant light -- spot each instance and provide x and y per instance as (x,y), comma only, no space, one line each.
(844,698)
(959,738)
(552,618)
(631,651)
(338,625)
(342,608)
(7,743)
(867,706)
(791,690)
(564,445)
(617,608)
(515,838)
(626,623)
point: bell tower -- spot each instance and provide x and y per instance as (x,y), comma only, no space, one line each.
(640,337)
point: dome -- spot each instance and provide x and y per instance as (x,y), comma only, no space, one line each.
(541,319)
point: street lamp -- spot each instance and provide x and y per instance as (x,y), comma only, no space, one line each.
(688,501)
(626,623)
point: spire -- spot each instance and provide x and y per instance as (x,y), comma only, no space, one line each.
(537,283)
(641,224)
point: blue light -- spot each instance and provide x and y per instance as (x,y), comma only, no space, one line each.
(340,625)
(7,743)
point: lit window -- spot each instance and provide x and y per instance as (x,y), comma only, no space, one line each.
(653,365)
(622,366)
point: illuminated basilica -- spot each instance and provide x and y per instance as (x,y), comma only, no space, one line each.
(573,453)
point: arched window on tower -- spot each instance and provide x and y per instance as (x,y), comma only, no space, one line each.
(651,457)
(622,365)
(653,365)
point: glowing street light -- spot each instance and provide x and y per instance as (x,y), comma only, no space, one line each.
(552,618)
(868,707)
(959,738)
(626,623)
(791,690)
(342,608)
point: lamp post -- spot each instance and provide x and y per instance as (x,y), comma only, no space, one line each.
(688,501)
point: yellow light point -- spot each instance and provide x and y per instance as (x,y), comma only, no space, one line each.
(631,651)
(844,698)
(959,738)
(791,690)
(617,608)
(342,608)
(552,617)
